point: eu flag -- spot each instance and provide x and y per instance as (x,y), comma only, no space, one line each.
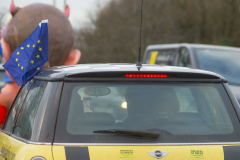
(28,59)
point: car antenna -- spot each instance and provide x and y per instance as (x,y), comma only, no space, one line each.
(139,64)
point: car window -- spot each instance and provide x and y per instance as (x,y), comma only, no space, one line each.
(184,58)
(194,112)
(12,116)
(2,78)
(223,62)
(29,110)
(162,57)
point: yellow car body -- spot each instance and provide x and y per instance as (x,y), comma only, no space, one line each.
(14,149)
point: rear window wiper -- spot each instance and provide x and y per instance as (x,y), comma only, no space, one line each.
(153,134)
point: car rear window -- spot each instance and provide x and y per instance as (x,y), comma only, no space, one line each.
(181,112)
(161,57)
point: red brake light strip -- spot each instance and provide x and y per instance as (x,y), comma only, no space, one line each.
(146,75)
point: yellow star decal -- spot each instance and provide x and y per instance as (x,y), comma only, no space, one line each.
(37,56)
(40,49)
(32,61)
(34,46)
(22,47)
(28,45)
(16,59)
(18,65)
(18,53)
(39,41)
(22,67)
(38,68)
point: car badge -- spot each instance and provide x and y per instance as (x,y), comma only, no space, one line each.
(158,154)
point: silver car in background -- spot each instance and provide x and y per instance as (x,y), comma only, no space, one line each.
(218,59)
(2,76)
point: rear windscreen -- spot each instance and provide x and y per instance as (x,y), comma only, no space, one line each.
(180,112)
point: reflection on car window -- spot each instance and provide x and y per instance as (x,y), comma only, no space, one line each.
(223,62)
(11,119)
(184,58)
(179,109)
(29,109)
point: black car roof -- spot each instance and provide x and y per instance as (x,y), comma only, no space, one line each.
(60,72)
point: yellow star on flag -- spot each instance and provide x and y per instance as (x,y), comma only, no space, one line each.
(34,46)
(37,56)
(40,49)
(22,47)
(28,45)
(39,41)
(22,67)
(38,68)
(18,53)
(16,59)
(32,61)
(18,65)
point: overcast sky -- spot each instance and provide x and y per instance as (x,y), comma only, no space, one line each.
(79,9)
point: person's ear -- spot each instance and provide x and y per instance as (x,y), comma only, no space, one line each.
(73,57)
(5,50)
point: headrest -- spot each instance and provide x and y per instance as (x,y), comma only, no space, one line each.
(91,118)
(166,100)
(76,106)
(151,100)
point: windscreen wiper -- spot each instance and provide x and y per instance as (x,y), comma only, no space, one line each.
(153,134)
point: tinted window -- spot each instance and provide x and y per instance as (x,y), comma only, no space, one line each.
(179,112)
(162,57)
(29,110)
(12,116)
(223,62)
(184,58)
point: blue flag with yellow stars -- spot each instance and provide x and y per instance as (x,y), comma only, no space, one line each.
(28,59)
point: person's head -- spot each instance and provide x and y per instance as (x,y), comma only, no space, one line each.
(23,22)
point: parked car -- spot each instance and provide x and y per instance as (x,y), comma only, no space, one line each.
(218,59)
(122,111)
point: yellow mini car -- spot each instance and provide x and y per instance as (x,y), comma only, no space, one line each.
(123,112)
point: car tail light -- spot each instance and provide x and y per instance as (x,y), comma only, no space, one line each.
(38,158)
(146,75)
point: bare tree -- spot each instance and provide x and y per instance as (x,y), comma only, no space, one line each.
(113,35)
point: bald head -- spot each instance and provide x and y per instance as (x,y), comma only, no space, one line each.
(61,36)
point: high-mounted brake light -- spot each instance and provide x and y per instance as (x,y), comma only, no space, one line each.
(146,75)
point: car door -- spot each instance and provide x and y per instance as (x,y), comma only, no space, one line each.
(17,142)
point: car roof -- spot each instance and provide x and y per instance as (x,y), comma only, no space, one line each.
(178,45)
(60,72)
